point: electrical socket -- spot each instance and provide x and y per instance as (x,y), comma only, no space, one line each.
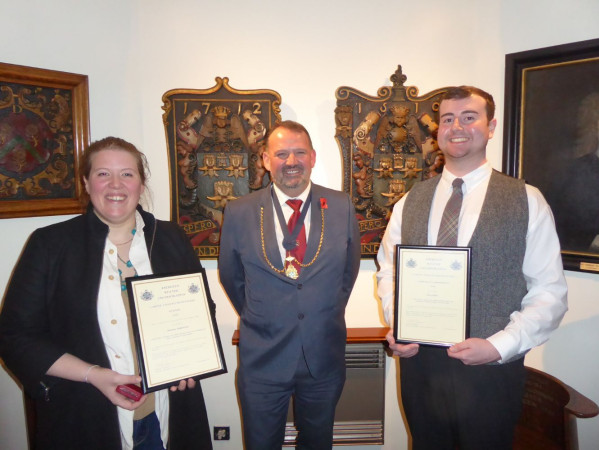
(222,433)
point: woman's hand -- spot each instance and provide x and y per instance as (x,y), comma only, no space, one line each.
(184,384)
(107,380)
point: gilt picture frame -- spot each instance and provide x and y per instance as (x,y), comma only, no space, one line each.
(551,139)
(44,127)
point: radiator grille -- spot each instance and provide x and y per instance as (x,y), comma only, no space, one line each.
(371,357)
(368,432)
(359,417)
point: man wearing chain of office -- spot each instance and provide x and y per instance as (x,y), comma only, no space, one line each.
(289,257)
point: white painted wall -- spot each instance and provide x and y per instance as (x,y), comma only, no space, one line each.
(133,51)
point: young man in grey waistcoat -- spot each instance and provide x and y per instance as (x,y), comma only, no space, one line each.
(469,395)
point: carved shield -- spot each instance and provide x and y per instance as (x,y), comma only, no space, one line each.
(215,140)
(388,144)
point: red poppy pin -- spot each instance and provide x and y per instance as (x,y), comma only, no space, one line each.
(323,203)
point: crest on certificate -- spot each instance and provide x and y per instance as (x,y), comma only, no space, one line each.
(215,140)
(388,143)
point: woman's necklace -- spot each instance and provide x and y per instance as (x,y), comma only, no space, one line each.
(127,263)
(126,242)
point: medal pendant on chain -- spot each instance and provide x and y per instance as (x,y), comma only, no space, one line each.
(291,270)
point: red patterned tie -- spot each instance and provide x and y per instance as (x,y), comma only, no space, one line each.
(300,249)
(448,230)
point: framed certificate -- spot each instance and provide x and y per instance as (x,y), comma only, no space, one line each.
(432,294)
(175,331)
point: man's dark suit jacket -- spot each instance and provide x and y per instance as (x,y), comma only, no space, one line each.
(280,316)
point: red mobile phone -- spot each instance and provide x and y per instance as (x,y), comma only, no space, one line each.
(132,391)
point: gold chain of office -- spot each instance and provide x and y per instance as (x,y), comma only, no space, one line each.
(300,264)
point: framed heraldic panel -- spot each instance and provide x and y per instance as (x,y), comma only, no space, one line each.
(44,127)
(388,143)
(215,140)
(551,139)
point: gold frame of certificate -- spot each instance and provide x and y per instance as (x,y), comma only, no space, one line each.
(432,294)
(175,331)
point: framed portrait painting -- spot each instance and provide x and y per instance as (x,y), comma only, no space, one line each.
(44,127)
(551,139)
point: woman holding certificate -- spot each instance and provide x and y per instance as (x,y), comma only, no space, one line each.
(65,328)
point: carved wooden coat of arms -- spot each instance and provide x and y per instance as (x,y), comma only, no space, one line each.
(44,127)
(215,141)
(388,144)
